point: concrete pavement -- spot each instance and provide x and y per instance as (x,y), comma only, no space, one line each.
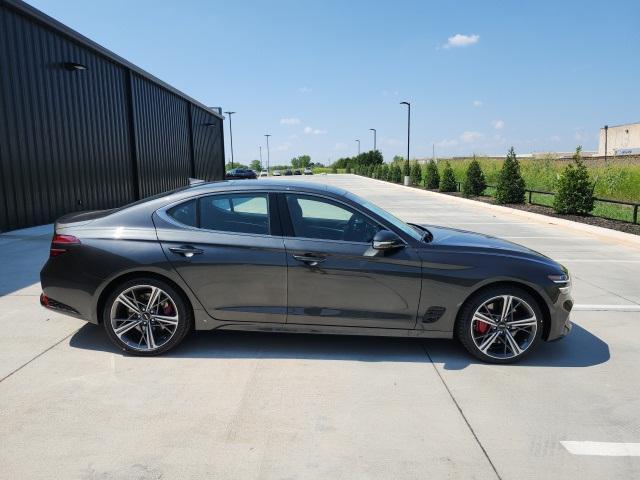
(248,405)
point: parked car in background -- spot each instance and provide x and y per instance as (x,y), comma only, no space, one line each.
(288,172)
(277,173)
(308,171)
(240,174)
(297,257)
(297,172)
(264,173)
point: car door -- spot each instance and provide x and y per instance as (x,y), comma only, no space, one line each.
(335,277)
(229,250)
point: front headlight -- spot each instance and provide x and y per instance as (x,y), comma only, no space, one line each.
(563,281)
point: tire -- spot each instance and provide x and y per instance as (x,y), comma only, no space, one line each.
(489,340)
(140,325)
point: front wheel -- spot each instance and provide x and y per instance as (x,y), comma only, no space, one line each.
(146,316)
(501,324)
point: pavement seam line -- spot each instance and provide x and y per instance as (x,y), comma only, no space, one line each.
(38,356)
(464,417)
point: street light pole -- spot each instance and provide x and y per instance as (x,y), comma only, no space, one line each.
(407,178)
(231,135)
(268,154)
(374,138)
(261,168)
(606,134)
(358,146)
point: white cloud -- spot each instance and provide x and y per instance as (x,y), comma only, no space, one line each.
(460,40)
(283,146)
(315,131)
(304,89)
(554,138)
(580,135)
(477,103)
(290,121)
(498,124)
(468,137)
(293,136)
(340,146)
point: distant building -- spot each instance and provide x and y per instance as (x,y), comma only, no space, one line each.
(621,140)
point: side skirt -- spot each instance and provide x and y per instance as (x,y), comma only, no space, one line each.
(333,330)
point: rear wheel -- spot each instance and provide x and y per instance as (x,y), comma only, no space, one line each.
(146,316)
(501,324)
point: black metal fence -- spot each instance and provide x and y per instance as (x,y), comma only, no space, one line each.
(633,206)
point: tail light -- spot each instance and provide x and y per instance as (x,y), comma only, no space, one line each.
(60,242)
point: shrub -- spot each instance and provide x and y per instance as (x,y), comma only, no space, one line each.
(384,172)
(348,169)
(334,169)
(575,189)
(416,174)
(474,182)
(406,170)
(432,177)
(448,181)
(510,188)
(396,173)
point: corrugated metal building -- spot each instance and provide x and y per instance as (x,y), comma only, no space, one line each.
(83,129)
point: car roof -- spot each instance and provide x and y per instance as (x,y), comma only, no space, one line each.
(262,184)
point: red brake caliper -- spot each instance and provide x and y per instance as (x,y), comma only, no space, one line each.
(167,309)
(481,327)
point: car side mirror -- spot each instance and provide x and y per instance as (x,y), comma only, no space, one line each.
(386,240)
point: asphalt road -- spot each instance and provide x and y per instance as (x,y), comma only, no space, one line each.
(266,406)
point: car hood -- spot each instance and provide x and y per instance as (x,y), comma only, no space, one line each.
(463,239)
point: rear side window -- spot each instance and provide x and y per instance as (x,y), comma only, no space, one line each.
(185,213)
(240,213)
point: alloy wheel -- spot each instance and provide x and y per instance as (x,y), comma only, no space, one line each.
(504,327)
(144,317)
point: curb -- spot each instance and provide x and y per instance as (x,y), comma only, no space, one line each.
(599,232)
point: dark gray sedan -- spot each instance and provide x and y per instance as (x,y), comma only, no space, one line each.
(295,257)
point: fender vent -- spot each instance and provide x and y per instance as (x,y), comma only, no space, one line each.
(433,314)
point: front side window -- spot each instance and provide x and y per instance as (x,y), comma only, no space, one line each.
(319,218)
(239,213)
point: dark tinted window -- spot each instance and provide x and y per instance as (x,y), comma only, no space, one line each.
(242,213)
(184,213)
(315,217)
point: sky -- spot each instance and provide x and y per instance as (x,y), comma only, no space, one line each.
(481,76)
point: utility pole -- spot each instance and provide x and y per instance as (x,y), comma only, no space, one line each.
(268,155)
(374,138)
(358,146)
(606,134)
(231,135)
(407,178)
(261,168)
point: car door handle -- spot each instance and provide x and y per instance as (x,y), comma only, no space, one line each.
(186,251)
(311,260)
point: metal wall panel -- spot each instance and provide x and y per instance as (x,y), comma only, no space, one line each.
(89,139)
(208,145)
(64,133)
(161,137)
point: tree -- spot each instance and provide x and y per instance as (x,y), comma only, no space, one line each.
(474,183)
(416,174)
(510,188)
(255,165)
(448,182)
(432,177)
(575,189)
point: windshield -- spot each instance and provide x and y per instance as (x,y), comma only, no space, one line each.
(407,229)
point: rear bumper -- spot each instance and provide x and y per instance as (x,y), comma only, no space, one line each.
(560,312)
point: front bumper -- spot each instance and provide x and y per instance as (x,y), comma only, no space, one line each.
(559,312)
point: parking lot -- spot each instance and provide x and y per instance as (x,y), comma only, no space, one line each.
(266,406)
